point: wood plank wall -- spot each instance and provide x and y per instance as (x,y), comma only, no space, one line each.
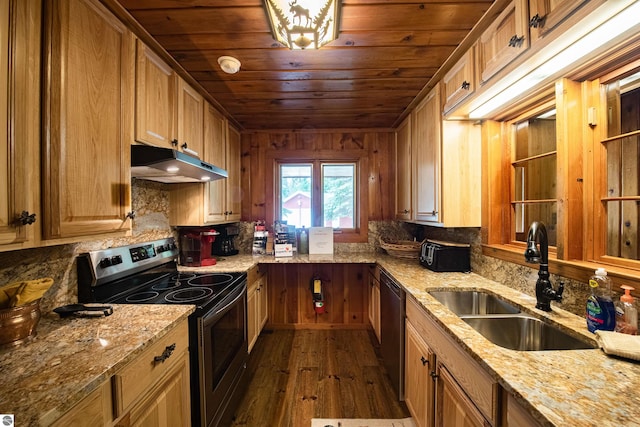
(345,289)
(259,149)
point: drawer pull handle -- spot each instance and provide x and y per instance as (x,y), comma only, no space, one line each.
(168,351)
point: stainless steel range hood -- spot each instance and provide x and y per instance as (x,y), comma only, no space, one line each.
(171,166)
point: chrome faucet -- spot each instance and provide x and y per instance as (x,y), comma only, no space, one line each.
(544,289)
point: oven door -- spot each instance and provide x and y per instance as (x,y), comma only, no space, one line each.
(222,354)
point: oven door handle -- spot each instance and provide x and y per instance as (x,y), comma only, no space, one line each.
(217,312)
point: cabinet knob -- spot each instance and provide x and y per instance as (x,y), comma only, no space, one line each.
(537,21)
(516,41)
(406,211)
(25,218)
(433,375)
(130,215)
(466,85)
(174,142)
(424,361)
(184,146)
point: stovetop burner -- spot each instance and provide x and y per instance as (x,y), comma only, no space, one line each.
(212,279)
(186,296)
(140,297)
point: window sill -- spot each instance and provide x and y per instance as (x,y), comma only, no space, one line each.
(576,270)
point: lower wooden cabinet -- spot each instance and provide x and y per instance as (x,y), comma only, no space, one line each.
(374,300)
(152,390)
(514,414)
(419,390)
(167,404)
(93,410)
(454,407)
(440,375)
(257,304)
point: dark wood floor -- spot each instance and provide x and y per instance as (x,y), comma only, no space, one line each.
(297,375)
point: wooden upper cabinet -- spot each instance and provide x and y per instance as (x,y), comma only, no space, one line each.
(426,137)
(503,41)
(88,129)
(403,170)
(155,98)
(460,82)
(215,137)
(234,192)
(545,15)
(19,122)
(190,118)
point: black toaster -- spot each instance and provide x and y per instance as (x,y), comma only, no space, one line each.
(442,256)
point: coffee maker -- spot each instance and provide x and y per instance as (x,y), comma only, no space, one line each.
(224,244)
(196,246)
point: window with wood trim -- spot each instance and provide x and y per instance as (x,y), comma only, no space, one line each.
(320,193)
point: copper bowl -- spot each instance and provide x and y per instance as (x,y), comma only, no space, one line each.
(19,323)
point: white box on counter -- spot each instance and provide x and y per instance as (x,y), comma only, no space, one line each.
(320,240)
(283,249)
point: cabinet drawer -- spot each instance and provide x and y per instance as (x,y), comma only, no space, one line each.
(141,374)
(478,385)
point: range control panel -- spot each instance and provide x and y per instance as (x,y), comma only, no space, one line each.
(113,263)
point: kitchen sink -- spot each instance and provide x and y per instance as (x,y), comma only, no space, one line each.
(525,333)
(473,302)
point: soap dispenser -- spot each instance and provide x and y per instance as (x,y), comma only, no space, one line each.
(627,313)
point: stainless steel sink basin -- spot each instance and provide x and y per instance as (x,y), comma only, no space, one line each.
(525,333)
(473,302)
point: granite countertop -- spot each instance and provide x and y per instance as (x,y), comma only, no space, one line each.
(560,388)
(69,358)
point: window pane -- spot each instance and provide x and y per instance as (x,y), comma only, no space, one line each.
(295,194)
(543,212)
(536,136)
(623,178)
(622,229)
(623,99)
(338,195)
(536,179)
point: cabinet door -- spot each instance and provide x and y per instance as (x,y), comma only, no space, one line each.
(454,408)
(514,415)
(93,410)
(234,192)
(155,98)
(545,15)
(215,137)
(419,392)
(253,306)
(426,134)
(374,301)
(263,300)
(460,82)
(19,121)
(88,126)
(169,404)
(503,41)
(403,170)
(190,118)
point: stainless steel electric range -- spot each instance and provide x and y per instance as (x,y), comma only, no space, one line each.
(147,273)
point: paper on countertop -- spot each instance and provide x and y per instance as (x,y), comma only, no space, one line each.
(320,240)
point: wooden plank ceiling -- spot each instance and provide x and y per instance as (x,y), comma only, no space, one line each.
(386,53)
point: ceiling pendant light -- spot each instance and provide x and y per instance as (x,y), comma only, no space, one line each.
(301,24)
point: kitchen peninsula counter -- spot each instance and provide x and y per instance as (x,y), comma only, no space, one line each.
(71,357)
(560,388)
